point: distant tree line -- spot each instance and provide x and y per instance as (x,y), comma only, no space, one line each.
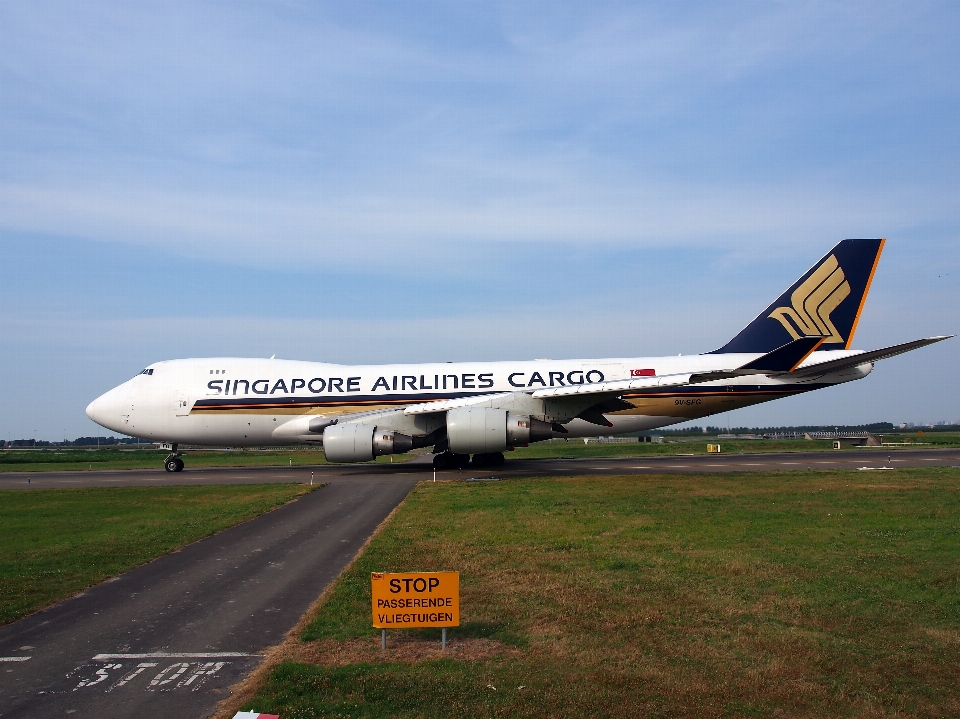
(78,442)
(878,427)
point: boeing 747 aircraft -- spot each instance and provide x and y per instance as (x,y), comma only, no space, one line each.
(799,343)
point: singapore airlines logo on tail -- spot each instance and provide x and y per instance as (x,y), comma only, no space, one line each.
(813,302)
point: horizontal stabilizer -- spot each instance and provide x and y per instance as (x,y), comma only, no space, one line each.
(781,360)
(786,358)
(864,357)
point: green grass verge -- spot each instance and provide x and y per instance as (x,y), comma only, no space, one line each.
(53,460)
(56,542)
(774,594)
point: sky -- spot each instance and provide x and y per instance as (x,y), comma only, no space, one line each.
(429,181)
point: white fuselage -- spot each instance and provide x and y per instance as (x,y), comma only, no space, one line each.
(255,402)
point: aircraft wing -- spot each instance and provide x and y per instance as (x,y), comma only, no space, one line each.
(783,361)
(613,386)
(445,404)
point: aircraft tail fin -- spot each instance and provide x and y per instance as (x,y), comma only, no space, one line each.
(825,303)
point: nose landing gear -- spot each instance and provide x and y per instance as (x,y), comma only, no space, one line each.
(173,463)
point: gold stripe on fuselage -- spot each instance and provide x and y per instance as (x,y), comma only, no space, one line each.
(693,406)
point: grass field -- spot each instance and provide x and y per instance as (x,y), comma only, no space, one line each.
(803,594)
(56,542)
(51,460)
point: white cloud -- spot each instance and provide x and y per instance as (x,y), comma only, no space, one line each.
(406,231)
(261,132)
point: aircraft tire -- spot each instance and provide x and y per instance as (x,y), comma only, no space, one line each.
(171,465)
(179,465)
(487,459)
(444,460)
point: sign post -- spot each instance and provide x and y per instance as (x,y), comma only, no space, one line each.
(410,600)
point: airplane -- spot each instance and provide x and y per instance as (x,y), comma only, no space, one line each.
(471,412)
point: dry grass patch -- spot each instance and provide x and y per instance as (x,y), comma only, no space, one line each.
(401,648)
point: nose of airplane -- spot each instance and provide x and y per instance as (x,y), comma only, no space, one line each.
(95,410)
(105,410)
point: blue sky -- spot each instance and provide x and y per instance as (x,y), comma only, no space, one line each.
(379,182)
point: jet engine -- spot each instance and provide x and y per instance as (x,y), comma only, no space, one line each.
(480,430)
(362,442)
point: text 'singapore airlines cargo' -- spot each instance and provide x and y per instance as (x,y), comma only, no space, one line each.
(799,343)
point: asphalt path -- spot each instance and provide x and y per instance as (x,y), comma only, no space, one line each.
(169,638)
(420,468)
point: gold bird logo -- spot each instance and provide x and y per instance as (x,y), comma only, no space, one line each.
(813,302)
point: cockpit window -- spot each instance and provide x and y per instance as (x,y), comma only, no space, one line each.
(147,371)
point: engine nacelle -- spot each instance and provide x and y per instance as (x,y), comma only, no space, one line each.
(476,430)
(480,430)
(362,442)
(348,442)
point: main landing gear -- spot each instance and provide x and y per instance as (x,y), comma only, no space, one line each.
(173,463)
(449,460)
(491,459)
